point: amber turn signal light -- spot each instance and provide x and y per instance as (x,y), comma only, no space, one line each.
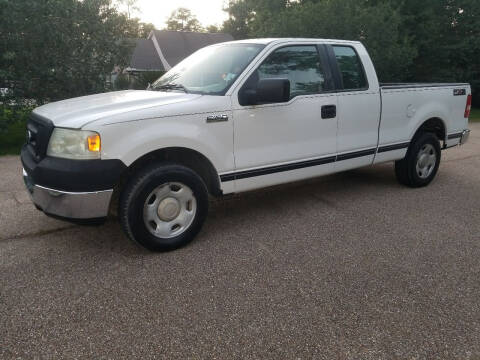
(94,143)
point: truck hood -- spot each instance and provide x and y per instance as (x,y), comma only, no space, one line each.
(77,112)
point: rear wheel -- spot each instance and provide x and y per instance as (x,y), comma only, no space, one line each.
(421,163)
(164,207)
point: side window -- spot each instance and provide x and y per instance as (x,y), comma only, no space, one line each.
(351,69)
(299,64)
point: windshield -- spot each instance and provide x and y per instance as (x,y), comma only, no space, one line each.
(209,71)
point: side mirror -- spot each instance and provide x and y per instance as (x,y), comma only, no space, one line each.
(273,91)
(267,91)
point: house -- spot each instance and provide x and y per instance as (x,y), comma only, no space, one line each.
(164,49)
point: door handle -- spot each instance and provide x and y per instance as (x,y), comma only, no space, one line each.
(329,111)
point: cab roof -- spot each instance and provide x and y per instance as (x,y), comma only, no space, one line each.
(266,41)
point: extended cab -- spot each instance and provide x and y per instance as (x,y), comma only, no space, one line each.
(233,117)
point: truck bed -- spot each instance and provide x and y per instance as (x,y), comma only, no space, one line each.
(405,106)
(392,86)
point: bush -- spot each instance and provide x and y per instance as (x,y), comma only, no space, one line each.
(138,81)
(121,82)
(13,122)
(144,78)
(59,49)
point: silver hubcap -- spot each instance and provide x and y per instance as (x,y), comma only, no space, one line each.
(169,210)
(426,160)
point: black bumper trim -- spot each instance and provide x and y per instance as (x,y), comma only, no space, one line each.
(73,175)
(454,136)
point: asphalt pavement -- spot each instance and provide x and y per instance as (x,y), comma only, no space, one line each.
(348,266)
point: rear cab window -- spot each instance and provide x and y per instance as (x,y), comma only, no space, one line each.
(352,74)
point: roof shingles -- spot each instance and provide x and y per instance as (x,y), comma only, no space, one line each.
(145,57)
(174,46)
(177,45)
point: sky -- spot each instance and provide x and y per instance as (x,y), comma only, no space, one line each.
(208,12)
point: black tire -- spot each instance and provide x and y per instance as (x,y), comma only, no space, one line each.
(134,197)
(405,169)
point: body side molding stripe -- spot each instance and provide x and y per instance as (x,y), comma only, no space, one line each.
(244,174)
(308,163)
(355,154)
(293,166)
(227,177)
(400,146)
(277,168)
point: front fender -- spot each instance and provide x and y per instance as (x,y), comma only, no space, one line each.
(128,141)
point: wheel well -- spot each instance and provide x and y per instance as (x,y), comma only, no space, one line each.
(182,156)
(433,125)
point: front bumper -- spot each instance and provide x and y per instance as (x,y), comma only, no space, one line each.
(69,205)
(71,189)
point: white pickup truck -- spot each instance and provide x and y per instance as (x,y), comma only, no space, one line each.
(233,117)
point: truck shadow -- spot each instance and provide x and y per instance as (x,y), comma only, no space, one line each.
(325,188)
(256,208)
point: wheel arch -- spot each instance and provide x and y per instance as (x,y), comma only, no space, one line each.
(189,158)
(434,125)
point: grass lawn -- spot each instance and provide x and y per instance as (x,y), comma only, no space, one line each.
(12,139)
(475,115)
(12,129)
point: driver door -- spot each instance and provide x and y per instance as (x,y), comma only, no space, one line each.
(293,140)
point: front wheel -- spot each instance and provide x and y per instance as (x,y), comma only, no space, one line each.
(421,163)
(163,207)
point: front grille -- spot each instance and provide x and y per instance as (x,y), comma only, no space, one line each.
(39,130)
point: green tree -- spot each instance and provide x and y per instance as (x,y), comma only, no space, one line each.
(130,5)
(137,29)
(409,40)
(143,79)
(56,49)
(182,19)
(391,50)
(145,29)
(446,34)
(212,29)
(240,15)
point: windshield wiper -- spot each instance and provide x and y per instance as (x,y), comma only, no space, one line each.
(171,86)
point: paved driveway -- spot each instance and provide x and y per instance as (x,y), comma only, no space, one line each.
(349,266)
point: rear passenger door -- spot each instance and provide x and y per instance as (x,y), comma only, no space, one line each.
(359,109)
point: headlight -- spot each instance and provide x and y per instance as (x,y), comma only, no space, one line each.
(74,144)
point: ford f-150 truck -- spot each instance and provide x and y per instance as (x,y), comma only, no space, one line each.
(233,117)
